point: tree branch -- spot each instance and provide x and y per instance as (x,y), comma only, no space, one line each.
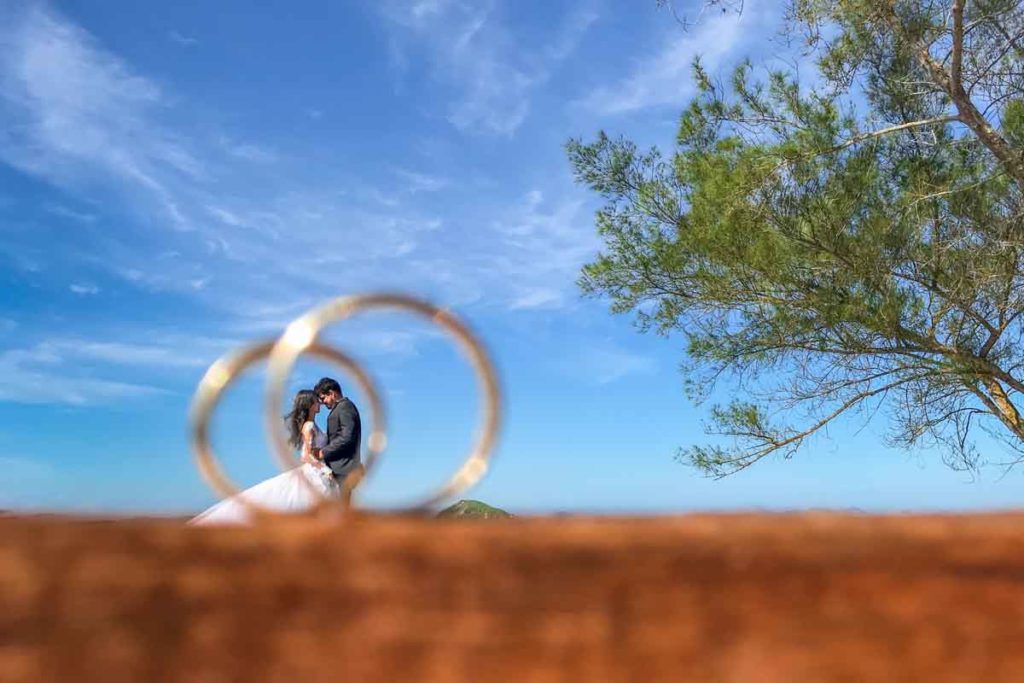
(771,444)
(952,83)
(857,139)
(956,75)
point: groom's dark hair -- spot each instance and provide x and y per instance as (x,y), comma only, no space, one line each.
(327,384)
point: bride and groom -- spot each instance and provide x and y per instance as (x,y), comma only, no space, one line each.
(326,458)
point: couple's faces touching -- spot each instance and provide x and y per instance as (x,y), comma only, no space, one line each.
(329,398)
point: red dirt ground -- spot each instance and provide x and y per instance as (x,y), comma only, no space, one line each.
(774,598)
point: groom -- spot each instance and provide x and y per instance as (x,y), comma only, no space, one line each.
(344,430)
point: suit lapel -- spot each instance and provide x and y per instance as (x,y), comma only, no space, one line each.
(330,419)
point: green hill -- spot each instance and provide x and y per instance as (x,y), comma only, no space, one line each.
(472,509)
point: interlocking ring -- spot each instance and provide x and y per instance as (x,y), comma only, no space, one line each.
(302,335)
(223,374)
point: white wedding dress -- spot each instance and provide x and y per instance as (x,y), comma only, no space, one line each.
(284,493)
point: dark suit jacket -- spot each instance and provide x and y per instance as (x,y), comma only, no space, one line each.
(344,431)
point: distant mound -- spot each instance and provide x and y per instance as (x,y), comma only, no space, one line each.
(472,509)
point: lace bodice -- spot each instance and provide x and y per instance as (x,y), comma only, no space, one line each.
(318,441)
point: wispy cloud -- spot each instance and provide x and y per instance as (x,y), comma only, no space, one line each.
(664,76)
(543,244)
(391,340)
(413,181)
(84,288)
(191,352)
(526,259)
(284,242)
(84,371)
(170,350)
(391,343)
(38,375)
(75,113)
(470,48)
(65,212)
(248,151)
(180,39)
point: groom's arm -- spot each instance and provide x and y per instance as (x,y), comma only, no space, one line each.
(342,440)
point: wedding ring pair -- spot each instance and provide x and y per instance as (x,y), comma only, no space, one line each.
(301,337)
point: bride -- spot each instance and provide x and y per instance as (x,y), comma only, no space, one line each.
(287,492)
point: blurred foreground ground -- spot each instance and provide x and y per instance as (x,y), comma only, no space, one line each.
(809,597)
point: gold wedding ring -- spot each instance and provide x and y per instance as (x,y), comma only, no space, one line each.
(223,373)
(302,335)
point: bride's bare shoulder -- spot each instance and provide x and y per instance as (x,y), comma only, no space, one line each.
(309,427)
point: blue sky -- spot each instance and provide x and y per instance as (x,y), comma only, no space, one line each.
(176,178)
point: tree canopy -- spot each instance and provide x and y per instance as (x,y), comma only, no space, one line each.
(850,243)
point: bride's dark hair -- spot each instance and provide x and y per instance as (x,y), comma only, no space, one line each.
(299,416)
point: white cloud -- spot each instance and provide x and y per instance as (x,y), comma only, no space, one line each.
(384,342)
(65,212)
(159,273)
(81,371)
(73,112)
(571,34)
(194,352)
(379,340)
(36,375)
(664,77)
(84,288)
(283,240)
(470,48)
(421,182)
(133,275)
(172,350)
(542,246)
(425,8)
(298,238)
(183,40)
(248,151)
(225,216)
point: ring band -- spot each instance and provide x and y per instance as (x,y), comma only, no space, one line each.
(303,334)
(223,374)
